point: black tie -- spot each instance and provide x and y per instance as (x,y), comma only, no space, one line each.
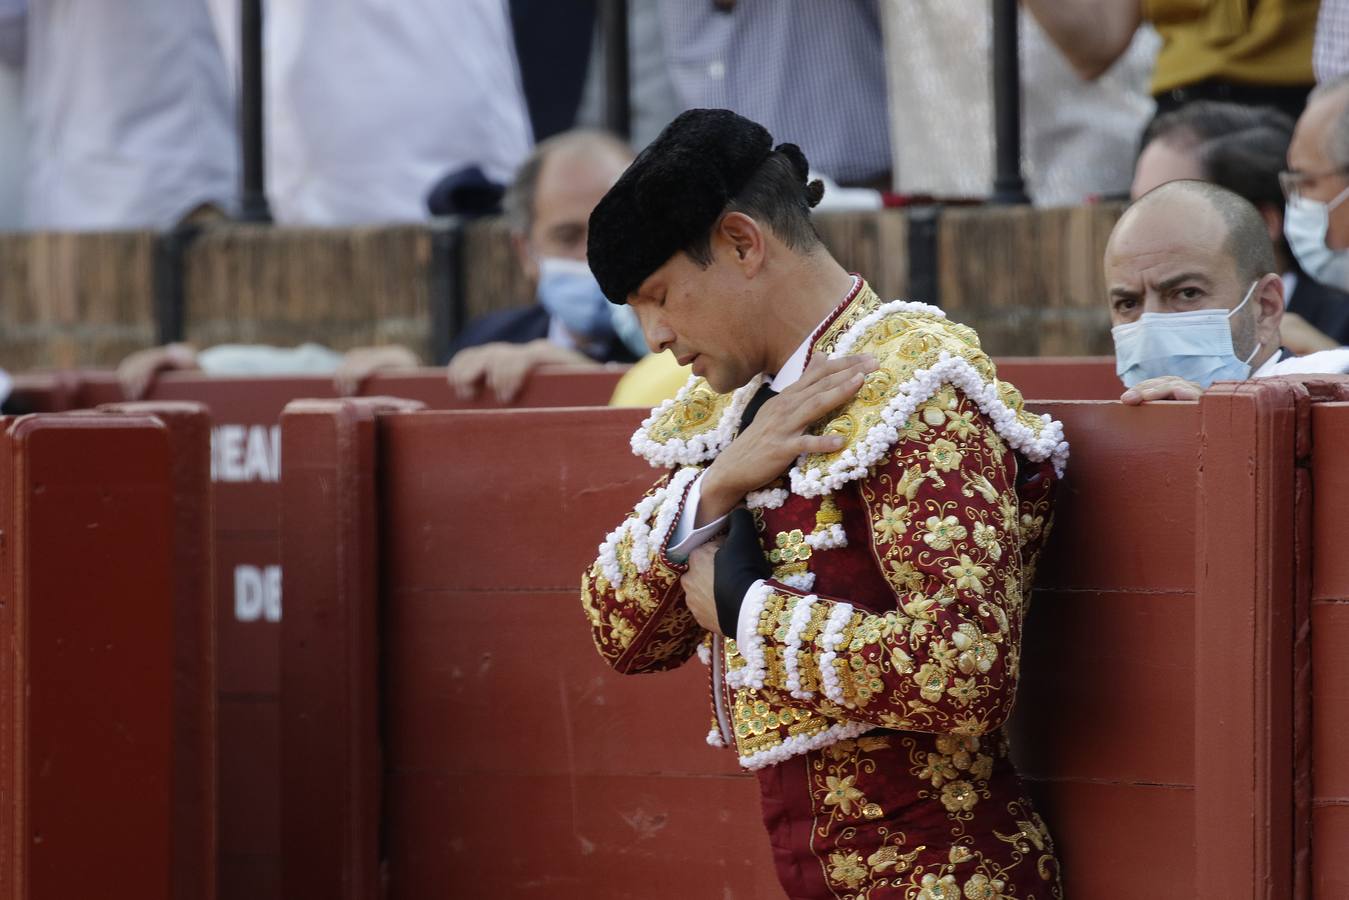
(752,409)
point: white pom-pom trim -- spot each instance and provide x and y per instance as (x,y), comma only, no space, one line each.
(714,738)
(801,581)
(700,447)
(752,673)
(831,538)
(792,645)
(647,540)
(704,654)
(770,498)
(828,640)
(854,462)
(804,743)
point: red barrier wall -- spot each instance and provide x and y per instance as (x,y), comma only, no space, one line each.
(245,466)
(87,689)
(1062,377)
(515,764)
(1330,663)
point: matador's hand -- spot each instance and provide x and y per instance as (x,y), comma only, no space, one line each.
(698,583)
(765,449)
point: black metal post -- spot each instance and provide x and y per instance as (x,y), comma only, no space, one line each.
(253,202)
(1008,184)
(613,18)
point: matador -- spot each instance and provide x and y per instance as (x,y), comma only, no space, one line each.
(846,534)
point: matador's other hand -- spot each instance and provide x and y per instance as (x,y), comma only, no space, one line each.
(698,581)
(777,436)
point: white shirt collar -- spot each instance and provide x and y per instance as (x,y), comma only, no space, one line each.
(795,366)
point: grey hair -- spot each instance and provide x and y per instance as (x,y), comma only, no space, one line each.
(518,201)
(1337,141)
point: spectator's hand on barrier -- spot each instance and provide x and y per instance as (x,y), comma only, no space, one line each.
(1301,337)
(359,364)
(699,585)
(504,368)
(138,371)
(777,436)
(1167,387)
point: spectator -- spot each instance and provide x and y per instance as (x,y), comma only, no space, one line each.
(1194,296)
(1242,148)
(1316,221)
(369,103)
(813,70)
(128,111)
(549,207)
(1080,138)
(1252,52)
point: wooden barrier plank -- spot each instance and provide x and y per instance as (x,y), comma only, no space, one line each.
(330,751)
(1245,629)
(86,758)
(1061,377)
(594,480)
(456,656)
(592,836)
(194,662)
(1330,631)
(1140,463)
(1128,654)
(1330,835)
(1330,475)
(1119,842)
(1330,711)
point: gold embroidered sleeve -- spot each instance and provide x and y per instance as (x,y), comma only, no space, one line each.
(946,532)
(632,595)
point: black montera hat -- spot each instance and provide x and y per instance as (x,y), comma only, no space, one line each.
(673,193)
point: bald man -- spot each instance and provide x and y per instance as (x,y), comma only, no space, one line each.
(1195,296)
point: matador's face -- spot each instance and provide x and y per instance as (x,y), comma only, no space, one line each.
(704,316)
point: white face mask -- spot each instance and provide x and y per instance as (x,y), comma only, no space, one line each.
(1196,346)
(1305,223)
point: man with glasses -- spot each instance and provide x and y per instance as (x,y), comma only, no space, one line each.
(1317,185)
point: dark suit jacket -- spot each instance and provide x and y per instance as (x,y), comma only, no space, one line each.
(1324,307)
(520,326)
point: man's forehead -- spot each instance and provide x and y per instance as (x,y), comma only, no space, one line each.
(1308,150)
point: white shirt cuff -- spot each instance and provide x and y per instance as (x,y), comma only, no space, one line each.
(685,538)
(746,625)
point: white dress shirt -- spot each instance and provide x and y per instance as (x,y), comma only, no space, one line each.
(129,114)
(370,102)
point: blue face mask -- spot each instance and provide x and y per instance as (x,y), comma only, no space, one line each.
(1196,346)
(1305,223)
(569,292)
(629,330)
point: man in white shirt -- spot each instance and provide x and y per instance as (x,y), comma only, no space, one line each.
(370,102)
(129,117)
(1195,296)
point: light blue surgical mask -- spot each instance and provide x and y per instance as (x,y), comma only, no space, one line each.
(1195,345)
(569,292)
(629,330)
(1305,223)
